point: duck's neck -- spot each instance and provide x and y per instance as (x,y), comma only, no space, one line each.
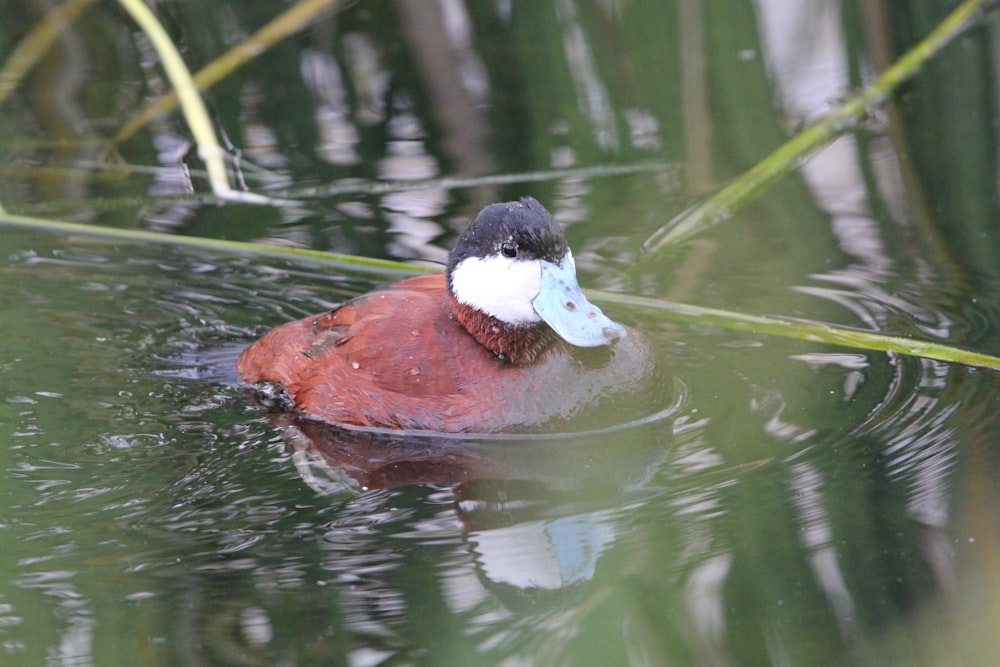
(516,343)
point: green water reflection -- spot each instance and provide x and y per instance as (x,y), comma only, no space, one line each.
(792,503)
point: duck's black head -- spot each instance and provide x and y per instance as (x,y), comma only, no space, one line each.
(513,264)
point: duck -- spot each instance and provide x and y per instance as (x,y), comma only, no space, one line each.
(504,339)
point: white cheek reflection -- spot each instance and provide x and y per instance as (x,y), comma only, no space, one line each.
(499,286)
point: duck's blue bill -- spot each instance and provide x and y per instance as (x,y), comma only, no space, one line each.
(562,305)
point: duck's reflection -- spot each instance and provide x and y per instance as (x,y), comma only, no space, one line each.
(335,459)
(534,513)
(521,545)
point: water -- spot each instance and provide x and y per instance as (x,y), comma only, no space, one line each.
(148,499)
(769,501)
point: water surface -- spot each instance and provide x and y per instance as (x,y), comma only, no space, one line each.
(788,502)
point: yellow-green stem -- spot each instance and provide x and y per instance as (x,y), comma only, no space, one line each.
(768,171)
(192,105)
(288,22)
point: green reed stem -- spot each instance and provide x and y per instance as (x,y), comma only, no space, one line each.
(767,172)
(288,22)
(192,105)
(802,330)
(381,267)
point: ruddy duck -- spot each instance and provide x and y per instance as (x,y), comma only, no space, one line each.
(490,345)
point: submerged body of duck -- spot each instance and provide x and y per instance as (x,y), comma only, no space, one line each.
(503,340)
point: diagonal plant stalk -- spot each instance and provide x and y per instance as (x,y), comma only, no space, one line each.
(193,107)
(383,268)
(788,156)
(805,330)
(296,17)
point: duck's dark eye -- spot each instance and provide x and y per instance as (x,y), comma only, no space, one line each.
(509,249)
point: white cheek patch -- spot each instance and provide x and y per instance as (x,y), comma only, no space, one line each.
(499,286)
